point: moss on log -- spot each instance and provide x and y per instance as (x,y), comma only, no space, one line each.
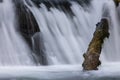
(92,55)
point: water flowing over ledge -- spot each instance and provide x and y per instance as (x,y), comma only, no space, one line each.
(70,36)
(65,38)
(13,50)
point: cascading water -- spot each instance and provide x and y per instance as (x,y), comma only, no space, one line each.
(112,46)
(66,38)
(13,50)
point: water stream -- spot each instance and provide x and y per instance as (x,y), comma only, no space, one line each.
(65,37)
(12,48)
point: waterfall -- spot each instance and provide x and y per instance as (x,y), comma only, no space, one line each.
(66,38)
(112,45)
(54,34)
(13,50)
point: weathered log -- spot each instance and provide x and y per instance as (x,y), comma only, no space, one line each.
(92,55)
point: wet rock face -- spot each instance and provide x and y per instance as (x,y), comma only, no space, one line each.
(37,2)
(117,2)
(64,5)
(27,22)
(92,55)
(1,0)
(61,1)
(28,27)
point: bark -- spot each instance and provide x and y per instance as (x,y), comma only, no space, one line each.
(92,55)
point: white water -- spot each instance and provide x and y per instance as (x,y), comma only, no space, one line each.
(13,50)
(66,38)
(62,72)
(112,46)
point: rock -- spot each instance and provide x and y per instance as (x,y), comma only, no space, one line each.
(92,55)
(1,0)
(28,27)
(64,5)
(117,2)
(27,23)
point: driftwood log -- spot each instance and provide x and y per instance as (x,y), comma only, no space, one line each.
(92,55)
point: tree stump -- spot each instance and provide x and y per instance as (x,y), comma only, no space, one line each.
(92,55)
